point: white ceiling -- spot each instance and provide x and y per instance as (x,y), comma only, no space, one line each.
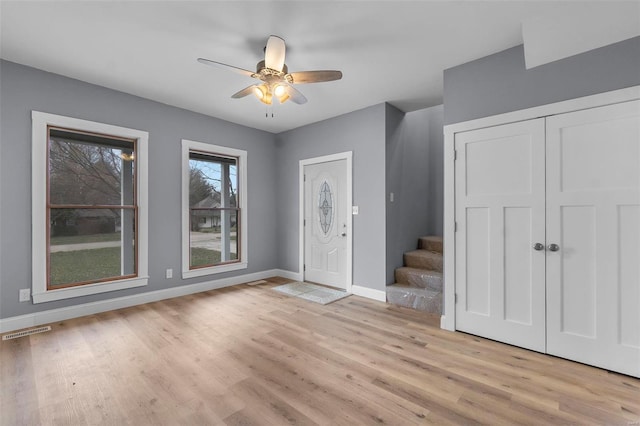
(389,51)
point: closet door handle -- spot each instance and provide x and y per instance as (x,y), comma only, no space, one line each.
(538,246)
(553,247)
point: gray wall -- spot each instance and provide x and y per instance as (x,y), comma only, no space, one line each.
(500,83)
(362,132)
(25,89)
(395,170)
(392,151)
(414,173)
(433,119)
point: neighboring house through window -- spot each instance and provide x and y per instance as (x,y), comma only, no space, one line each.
(214,219)
(89,207)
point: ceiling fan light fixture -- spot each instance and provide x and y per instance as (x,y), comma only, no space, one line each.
(276,81)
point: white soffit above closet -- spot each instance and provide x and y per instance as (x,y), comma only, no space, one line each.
(552,37)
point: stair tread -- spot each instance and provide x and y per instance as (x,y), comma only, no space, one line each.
(432,238)
(419,277)
(424,253)
(424,259)
(412,289)
(421,271)
(431,242)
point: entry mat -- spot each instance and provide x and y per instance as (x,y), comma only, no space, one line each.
(312,292)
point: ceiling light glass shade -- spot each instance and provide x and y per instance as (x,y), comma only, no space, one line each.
(283,98)
(279,90)
(263,93)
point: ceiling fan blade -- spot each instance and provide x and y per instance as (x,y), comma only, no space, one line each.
(315,76)
(226,66)
(244,92)
(295,95)
(274,53)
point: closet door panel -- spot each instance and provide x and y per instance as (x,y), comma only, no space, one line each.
(500,216)
(629,275)
(593,199)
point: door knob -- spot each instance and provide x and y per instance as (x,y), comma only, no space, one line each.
(553,247)
(344,234)
(538,246)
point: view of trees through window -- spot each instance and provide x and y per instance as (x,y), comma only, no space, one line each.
(213,210)
(91,208)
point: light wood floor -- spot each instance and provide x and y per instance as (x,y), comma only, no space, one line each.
(249,355)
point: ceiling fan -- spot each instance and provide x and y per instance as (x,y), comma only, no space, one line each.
(276,80)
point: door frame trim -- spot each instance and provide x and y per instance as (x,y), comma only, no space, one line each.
(348,156)
(448,319)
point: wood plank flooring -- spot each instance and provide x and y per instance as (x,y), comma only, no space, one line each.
(247,355)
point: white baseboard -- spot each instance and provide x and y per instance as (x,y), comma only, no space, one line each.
(61,314)
(369,293)
(445,325)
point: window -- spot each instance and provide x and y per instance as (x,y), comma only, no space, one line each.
(214,211)
(89,207)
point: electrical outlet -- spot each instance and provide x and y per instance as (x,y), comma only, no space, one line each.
(169,273)
(25,294)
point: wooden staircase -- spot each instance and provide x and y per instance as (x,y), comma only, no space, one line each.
(419,283)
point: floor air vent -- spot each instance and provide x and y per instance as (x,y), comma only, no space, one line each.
(26,332)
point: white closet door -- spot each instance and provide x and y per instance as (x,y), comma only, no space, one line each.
(593,215)
(500,186)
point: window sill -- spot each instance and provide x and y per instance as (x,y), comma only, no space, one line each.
(89,289)
(201,272)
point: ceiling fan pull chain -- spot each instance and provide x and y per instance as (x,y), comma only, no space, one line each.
(266,112)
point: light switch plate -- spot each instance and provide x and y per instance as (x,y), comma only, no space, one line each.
(354,210)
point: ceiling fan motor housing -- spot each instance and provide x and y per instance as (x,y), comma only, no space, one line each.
(271,76)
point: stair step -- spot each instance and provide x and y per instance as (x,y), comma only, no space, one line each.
(416,277)
(424,259)
(420,299)
(431,243)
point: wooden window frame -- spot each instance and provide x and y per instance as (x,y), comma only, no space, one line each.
(42,291)
(240,156)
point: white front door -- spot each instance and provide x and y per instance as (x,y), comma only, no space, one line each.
(593,216)
(326,223)
(500,204)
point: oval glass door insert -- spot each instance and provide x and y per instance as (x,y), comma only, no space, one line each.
(325,205)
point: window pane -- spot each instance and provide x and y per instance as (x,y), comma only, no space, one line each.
(86,245)
(213,181)
(90,171)
(233,186)
(213,237)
